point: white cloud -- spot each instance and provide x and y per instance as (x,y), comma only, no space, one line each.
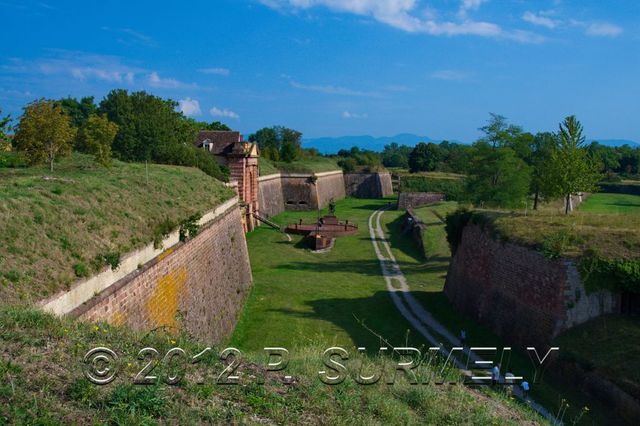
(468,5)
(132,36)
(399,14)
(603,29)
(189,106)
(449,75)
(332,90)
(540,19)
(348,115)
(155,80)
(215,71)
(217,112)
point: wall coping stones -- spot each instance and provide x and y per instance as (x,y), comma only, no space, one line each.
(83,290)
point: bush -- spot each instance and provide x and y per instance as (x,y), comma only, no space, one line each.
(611,274)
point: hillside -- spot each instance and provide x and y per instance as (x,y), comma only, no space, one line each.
(58,227)
(42,382)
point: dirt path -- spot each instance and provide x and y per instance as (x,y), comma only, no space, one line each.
(419,317)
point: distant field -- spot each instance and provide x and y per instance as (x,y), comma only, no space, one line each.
(58,227)
(612,203)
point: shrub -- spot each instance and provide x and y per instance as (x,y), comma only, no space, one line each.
(611,274)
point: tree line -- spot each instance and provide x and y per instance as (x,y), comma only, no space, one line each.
(133,126)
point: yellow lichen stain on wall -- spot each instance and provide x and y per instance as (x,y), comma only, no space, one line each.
(164,254)
(162,305)
(118,318)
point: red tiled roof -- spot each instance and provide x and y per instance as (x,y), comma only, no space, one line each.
(222,140)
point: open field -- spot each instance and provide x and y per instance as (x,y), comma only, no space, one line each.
(301,298)
(57,227)
(612,203)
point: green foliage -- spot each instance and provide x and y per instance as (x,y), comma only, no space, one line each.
(425,157)
(570,170)
(96,136)
(452,188)
(44,133)
(5,128)
(81,270)
(612,274)
(189,227)
(11,160)
(395,155)
(455,223)
(162,231)
(78,111)
(112,259)
(278,143)
(355,159)
(150,129)
(555,245)
(497,177)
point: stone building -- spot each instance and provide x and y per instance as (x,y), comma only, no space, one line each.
(241,158)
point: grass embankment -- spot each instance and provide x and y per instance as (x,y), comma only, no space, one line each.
(451,184)
(608,224)
(58,227)
(608,345)
(42,382)
(311,165)
(426,279)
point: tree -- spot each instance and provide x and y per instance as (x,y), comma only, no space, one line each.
(497,132)
(5,128)
(497,176)
(424,157)
(570,169)
(541,151)
(278,143)
(395,155)
(290,145)
(78,111)
(97,135)
(44,132)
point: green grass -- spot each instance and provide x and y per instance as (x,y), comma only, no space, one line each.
(57,227)
(427,279)
(42,382)
(301,298)
(308,165)
(612,203)
(612,236)
(266,167)
(609,345)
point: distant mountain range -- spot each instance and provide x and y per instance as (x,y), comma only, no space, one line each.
(333,145)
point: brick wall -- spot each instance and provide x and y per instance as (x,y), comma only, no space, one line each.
(200,285)
(517,292)
(270,199)
(412,200)
(368,185)
(329,185)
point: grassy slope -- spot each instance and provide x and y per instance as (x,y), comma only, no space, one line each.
(598,224)
(42,382)
(427,278)
(609,345)
(311,165)
(54,225)
(300,298)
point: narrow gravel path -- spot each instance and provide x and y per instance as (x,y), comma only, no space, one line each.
(420,318)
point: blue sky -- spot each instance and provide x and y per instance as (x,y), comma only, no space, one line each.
(339,67)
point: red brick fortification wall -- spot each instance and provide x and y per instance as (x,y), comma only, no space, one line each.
(368,185)
(412,200)
(200,285)
(329,185)
(513,290)
(517,292)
